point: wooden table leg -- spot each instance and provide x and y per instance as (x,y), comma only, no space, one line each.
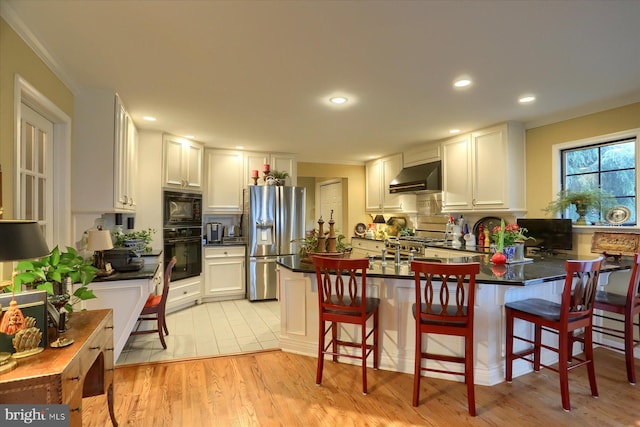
(112,413)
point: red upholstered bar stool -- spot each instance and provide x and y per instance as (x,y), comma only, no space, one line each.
(447,311)
(154,308)
(342,297)
(574,312)
(629,307)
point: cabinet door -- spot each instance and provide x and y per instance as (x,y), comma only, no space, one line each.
(224,181)
(120,172)
(132,164)
(173,161)
(285,163)
(254,161)
(373,195)
(457,194)
(192,168)
(391,167)
(489,180)
(224,272)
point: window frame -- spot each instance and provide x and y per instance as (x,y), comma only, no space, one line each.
(556,168)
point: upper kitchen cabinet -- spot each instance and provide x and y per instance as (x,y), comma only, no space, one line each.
(106,154)
(224,181)
(421,154)
(379,174)
(485,170)
(182,168)
(276,161)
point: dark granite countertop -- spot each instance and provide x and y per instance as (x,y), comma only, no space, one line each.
(520,274)
(147,271)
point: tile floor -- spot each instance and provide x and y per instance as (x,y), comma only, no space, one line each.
(212,328)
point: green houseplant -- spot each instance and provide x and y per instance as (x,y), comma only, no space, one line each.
(583,201)
(279,176)
(309,244)
(52,273)
(137,240)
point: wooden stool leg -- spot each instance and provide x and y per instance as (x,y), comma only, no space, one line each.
(321,335)
(112,412)
(468,374)
(628,347)
(416,370)
(563,370)
(334,338)
(160,330)
(363,349)
(588,351)
(538,348)
(508,360)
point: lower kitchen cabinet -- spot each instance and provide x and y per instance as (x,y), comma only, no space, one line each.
(184,293)
(224,272)
(362,248)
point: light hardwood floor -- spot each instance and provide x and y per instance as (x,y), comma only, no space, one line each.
(274,388)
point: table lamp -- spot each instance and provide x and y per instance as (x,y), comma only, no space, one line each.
(98,241)
(19,240)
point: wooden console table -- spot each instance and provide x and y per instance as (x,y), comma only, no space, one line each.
(66,375)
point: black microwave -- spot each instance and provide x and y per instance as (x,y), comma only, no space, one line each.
(182,209)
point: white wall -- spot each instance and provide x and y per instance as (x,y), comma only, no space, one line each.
(149,185)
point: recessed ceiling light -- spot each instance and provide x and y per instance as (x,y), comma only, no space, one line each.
(149,118)
(462,82)
(526,99)
(454,131)
(239,147)
(338,100)
(189,136)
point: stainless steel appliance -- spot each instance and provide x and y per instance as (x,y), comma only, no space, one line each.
(185,243)
(182,209)
(273,220)
(213,232)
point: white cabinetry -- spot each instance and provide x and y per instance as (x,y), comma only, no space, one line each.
(184,293)
(485,170)
(106,153)
(277,161)
(224,181)
(362,248)
(224,272)
(182,163)
(421,154)
(379,174)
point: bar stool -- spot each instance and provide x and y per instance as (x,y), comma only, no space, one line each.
(342,298)
(627,305)
(436,314)
(574,312)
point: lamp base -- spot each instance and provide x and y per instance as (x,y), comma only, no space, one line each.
(7,362)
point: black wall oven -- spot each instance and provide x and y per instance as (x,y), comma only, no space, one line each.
(185,243)
(182,233)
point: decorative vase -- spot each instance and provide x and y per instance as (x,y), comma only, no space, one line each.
(582,212)
(519,255)
(498,258)
(509,252)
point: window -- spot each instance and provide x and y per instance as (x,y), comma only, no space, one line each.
(609,165)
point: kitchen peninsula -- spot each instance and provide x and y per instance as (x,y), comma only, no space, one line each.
(394,285)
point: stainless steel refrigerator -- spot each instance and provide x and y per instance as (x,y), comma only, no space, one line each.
(273,220)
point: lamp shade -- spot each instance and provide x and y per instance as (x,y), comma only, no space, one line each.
(99,240)
(21,240)
(379,219)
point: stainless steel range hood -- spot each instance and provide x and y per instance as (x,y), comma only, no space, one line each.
(418,179)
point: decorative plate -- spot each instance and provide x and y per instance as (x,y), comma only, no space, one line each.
(489,222)
(360,229)
(618,215)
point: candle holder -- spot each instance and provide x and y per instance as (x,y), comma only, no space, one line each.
(255,180)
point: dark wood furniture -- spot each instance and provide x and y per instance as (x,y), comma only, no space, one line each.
(443,306)
(66,375)
(574,312)
(155,307)
(342,298)
(629,307)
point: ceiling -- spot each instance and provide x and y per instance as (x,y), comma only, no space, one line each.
(259,73)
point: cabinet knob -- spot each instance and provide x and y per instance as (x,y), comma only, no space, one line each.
(75,378)
(94,348)
(109,327)
(78,409)
(184,293)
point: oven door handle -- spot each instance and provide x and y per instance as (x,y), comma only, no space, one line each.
(184,240)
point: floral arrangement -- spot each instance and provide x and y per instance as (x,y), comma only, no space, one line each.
(507,235)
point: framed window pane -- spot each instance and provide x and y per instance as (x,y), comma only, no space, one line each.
(581,161)
(618,156)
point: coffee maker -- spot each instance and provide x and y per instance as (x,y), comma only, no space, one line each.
(214,232)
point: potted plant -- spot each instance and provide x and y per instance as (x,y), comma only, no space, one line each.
(278,176)
(136,240)
(583,201)
(309,244)
(54,273)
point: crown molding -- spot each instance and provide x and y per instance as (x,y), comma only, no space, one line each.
(18,25)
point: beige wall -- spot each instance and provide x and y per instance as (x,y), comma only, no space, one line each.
(355,176)
(539,155)
(17,58)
